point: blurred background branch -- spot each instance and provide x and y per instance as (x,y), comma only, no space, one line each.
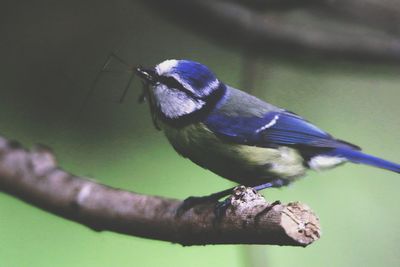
(352,30)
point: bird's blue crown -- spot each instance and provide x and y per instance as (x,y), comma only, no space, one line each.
(194,76)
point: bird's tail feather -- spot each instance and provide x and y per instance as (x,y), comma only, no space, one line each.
(356,156)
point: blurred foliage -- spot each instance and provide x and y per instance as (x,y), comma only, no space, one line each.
(51,52)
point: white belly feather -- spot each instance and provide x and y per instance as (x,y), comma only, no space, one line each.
(322,162)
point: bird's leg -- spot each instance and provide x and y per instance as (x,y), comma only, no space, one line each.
(222,206)
(275,183)
(190,202)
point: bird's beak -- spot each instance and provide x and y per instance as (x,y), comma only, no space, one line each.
(146,75)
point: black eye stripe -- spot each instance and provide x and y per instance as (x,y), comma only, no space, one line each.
(173,83)
(170,82)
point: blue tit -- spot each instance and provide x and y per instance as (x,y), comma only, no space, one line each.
(236,135)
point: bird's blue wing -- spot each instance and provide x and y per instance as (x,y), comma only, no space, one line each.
(271,130)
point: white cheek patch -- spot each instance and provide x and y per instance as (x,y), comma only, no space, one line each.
(325,162)
(166,66)
(174,103)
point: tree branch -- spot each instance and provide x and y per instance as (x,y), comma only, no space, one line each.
(287,33)
(374,13)
(34,177)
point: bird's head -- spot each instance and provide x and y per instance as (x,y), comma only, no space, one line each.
(180,87)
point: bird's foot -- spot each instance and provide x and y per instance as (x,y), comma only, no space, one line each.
(241,196)
(237,194)
(222,206)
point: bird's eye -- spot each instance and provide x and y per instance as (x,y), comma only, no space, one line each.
(171,82)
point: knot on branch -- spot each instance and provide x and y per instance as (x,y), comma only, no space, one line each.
(43,160)
(252,210)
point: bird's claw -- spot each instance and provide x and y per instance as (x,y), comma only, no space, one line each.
(220,208)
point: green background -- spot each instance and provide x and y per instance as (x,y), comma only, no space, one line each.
(51,53)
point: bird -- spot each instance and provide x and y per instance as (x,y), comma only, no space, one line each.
(237,135)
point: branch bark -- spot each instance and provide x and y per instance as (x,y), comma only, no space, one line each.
(34,177)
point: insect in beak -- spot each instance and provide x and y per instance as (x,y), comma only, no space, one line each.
(143,96)
(148,77)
